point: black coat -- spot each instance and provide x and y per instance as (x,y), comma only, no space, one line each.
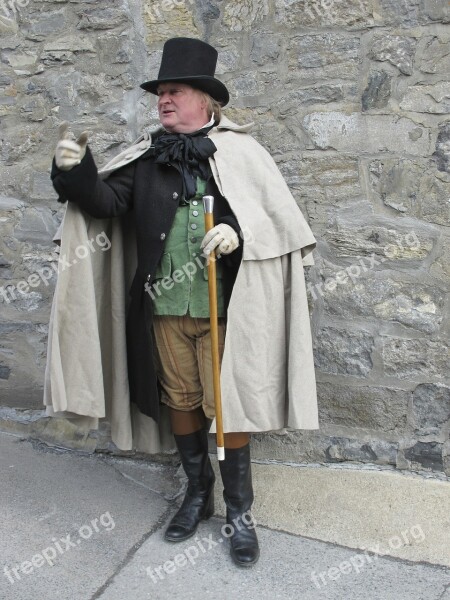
(151,191)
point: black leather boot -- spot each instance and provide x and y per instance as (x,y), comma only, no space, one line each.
(198,502)
(238,495)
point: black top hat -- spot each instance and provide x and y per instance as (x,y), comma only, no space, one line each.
(193,62)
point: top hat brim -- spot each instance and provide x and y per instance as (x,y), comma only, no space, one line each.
(212,86)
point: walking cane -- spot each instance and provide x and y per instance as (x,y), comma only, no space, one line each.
(208,205)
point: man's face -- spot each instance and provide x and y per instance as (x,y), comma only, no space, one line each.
(182,109)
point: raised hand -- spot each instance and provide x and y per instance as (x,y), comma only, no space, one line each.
(68,153)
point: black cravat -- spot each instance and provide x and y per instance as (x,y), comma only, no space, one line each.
(189,153)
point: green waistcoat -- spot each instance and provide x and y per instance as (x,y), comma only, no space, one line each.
(181,280)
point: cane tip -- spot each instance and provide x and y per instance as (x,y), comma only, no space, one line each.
(220,453)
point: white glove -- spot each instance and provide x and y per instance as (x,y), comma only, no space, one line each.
(223,237)
(68,153)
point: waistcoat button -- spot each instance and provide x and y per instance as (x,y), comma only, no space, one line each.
(193,226)
(162,236)
(174,195)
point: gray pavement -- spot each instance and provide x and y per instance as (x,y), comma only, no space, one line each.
(84,527)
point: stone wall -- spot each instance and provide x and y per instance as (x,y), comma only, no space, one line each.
(351,98)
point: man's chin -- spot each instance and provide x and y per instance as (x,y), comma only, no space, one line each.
(167,121)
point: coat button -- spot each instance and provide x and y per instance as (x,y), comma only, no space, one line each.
(195,213)
(162,236)
(174,195)
(193,226)
(149,277)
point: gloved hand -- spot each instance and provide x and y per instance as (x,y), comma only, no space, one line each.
(68,153)
(223,237)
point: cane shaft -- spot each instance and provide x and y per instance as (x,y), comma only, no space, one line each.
(212,289)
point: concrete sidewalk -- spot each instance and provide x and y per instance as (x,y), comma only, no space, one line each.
(90,526)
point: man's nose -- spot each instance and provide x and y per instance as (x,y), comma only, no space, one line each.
(164,98)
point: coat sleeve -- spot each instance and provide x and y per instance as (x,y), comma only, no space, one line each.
(99,198)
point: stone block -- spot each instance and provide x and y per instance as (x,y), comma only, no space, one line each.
(246,85)
(440,268)
(416,359)
(316,447)
(375,408)
(435,10)
(324,13)
(37,261)
(6,271)
(397,12)
(323,56)
(114,111)
(425,455)
(21,144)
(228,61)
(343,352)
(70,43)
(36,226)
(161,20)
(28,397)
(434,194)
(4,372)
(23,352)
(413,305)
(340,449)
(431,409)
(65,50)
(395,182)
(35,109)
(19,59)
(397,50)
(292,103)
(442,152)
(10,204)
(434,99)
(436,57)
(102,18)
(298,445)
(75,95)
(378,91)
(8,25)
(265,49)
(5,80)
(107,144)
(244,15)
(42,188)
(380,239)
(413,187)
(366,133)
(324,184)
(206,12)
(113,50)
(38,26)
(23,302)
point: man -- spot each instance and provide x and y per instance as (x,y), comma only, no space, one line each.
(199,152)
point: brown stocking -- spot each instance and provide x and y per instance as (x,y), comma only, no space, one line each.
(236,440)
(185,422)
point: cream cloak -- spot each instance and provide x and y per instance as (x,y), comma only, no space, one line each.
(267,377)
